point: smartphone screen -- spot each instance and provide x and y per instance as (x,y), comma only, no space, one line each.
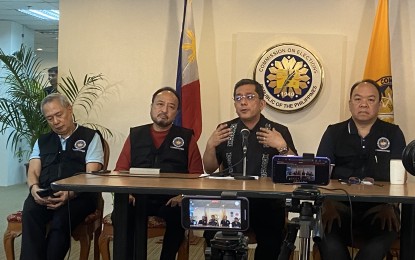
(296,169)
(215,213)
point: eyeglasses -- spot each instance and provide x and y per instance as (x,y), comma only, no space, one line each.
(249,97)
(364,181)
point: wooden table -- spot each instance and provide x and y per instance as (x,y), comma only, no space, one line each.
(174,184)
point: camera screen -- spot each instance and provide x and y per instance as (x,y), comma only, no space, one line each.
(300,173)
(212,214)
(295,169)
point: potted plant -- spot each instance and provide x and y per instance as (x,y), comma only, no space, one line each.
(22,91)
(85,98)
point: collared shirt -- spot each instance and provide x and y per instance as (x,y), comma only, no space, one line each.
(361,157)
(93,154)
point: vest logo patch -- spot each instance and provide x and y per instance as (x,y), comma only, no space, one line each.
(79,146)
(383,143)
(178,143)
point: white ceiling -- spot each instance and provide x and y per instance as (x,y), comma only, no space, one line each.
(46,32)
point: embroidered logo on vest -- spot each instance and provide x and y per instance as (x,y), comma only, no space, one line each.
(79,146)
(178,143)
(264,165)
(229,161)
(232,135)
(383,143)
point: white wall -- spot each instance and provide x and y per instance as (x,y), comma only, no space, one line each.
(49,60)
(135,45)
(12,35)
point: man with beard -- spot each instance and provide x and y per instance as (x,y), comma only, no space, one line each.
(171,149)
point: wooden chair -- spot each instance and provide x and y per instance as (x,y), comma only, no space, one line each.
(84,232)
(156,228)
(395,250)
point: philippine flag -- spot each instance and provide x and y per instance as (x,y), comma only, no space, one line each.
(187,82)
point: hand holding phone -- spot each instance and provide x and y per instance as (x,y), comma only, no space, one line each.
(43,193)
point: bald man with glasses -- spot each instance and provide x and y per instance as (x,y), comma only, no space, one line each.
(361,148)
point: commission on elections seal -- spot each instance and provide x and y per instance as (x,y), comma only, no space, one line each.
(290,75)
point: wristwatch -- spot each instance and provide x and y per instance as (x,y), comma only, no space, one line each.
(283,150)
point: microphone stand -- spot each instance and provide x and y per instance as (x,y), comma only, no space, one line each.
(244,167)
(244,177)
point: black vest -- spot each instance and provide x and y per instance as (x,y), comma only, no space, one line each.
(58,164)
(171,156)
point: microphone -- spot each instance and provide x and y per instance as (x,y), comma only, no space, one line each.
(245,134)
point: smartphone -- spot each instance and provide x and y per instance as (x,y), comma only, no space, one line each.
(101,171)
(45,193)
(301,170)
(215,213)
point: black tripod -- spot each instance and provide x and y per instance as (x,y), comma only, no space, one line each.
(227,245)
(305,222)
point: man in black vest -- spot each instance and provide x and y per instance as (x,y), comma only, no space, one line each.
(68,149)
(169,148)
(361,148)
(203,221)
(225,222)
(236,223)
(224,150)
(213,221)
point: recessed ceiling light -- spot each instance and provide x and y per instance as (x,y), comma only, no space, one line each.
(39,49)
(51,15)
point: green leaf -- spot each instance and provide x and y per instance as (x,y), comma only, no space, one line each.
(86,98)
(22,92)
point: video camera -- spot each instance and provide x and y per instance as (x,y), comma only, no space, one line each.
(408,158)
(227,214)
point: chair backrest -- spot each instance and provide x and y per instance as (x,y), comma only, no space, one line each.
(106,148)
